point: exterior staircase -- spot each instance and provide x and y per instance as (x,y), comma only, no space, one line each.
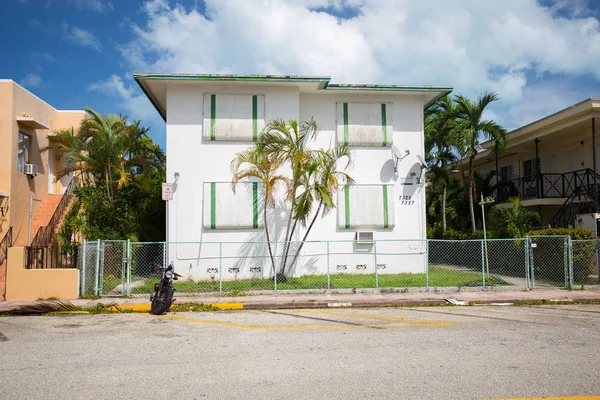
(41,217)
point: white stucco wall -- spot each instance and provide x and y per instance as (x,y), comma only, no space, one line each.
(198,161)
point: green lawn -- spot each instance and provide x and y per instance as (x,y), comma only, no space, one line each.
(437,277)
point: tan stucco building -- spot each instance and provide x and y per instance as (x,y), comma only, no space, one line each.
(26,122)
(552,165)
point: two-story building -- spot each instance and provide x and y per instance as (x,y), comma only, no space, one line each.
(552,165)
(29,192)
(210,118)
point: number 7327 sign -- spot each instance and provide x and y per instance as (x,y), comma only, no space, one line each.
(406,200)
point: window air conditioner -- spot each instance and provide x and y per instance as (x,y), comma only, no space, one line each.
(30,169)
(364,237)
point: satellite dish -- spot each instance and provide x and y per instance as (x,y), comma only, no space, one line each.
(397,156)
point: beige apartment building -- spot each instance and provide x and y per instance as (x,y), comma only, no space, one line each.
(552,165)
(26,175)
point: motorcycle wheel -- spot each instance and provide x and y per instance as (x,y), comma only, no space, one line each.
(162,301)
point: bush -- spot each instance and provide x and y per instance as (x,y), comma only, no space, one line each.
(576,234)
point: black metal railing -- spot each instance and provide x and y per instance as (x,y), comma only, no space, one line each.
(55,256)
(46,234)
(546,186)
(5,244)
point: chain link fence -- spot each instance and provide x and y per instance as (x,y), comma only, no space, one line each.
(229,268)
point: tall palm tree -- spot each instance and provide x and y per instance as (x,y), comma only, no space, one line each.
(470,126)
(513,222)
(320,181)
(254,163)
(439,126)
(288,141)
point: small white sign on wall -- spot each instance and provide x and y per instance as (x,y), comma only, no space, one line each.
(167,191)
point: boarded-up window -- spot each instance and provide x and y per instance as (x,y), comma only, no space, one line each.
(224,209)
(366,206)
(238,117)
(364,124)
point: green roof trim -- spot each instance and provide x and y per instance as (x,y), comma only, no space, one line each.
(324,80)
(238,78)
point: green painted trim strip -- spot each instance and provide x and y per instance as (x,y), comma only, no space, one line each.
(384,124)
(386,223)
(213,205)
(213,115)
(383,88)
(347,206)
(345,123)
(254,117)
(255,204)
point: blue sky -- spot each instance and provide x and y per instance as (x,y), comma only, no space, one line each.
(540,56)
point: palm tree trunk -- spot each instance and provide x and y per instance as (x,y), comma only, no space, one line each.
(285,238)
(268,238)
(471,207)
(289,243)
(306,234)
(444,207)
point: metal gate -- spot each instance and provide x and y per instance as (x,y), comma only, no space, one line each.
(113,271)
(550,261)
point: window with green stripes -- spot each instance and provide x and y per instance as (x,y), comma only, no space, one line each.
(366,206)
(365,124)
(224,209)
(233,117)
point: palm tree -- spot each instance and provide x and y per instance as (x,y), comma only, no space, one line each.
(288,142)
(320,181)
(439,126)
(470,126)
(259,166)
(513,222)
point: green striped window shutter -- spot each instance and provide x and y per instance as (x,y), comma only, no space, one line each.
(224,209)
(233,117)
(366,206)
(365,124)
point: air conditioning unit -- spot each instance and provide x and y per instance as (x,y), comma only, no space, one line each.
(364,237)
(30,169)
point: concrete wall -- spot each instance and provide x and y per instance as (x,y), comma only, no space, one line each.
(197,161)
(14,101)
(33,284)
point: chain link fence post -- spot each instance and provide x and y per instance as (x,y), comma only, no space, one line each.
(220,267)
(128,266)
(527,267)
(427,264)
(482,263)
(570,260)
(531,262)
(96,288)
(82,281)
(375,258)
(328,274)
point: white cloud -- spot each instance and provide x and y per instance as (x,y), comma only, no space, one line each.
(94,5)
(471,44)
(31,81)
(131,100)
(80,36)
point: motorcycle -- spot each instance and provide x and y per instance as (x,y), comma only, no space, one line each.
(162,299)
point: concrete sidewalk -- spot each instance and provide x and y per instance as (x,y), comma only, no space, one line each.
(361,299)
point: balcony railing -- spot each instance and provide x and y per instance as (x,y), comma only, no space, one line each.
(542,186)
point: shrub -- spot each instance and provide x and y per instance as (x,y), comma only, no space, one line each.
(576,234)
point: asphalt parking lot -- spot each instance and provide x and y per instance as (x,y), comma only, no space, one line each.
(482,352)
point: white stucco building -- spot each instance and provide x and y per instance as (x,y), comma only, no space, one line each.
(212,117)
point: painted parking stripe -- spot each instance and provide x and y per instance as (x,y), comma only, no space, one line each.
(402,322)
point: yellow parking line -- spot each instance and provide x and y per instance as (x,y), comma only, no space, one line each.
(418,323)
(146,307)
(366,316)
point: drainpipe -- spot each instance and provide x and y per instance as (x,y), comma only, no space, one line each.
(537,167)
